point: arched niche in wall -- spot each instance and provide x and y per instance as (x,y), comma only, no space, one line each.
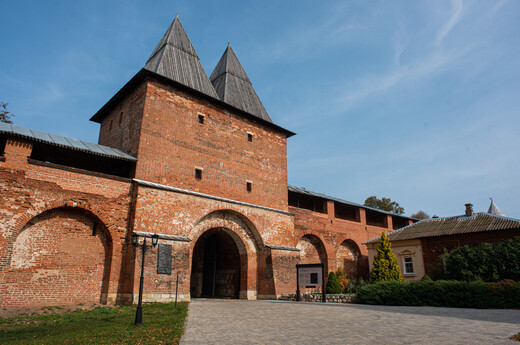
(312,250)
(347,258)
(62,256)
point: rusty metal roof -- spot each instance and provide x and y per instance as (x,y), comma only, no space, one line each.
(433,227)
(66,142)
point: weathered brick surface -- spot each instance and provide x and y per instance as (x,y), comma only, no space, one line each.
(121,127)
(49,254)
(167,212)
(56,260)
(335,242)
(172,143)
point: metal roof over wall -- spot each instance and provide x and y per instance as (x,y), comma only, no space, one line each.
(451,226)
(328,197)
(66,142)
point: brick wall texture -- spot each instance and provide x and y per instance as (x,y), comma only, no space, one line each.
(65,234)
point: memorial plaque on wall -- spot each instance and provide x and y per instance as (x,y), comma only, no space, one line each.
(164,259)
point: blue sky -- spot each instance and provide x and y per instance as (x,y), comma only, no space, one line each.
(418,101)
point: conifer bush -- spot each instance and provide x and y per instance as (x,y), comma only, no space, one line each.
(333,285)
(385,263)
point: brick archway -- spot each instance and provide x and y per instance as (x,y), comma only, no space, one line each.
(246,239)
(348,258)
(96,212)
(312,250)
(63,256)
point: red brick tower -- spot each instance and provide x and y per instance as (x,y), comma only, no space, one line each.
(212,166)
(186,136)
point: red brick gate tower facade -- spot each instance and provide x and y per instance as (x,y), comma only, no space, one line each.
(209,165)
(179,154)
(205,164)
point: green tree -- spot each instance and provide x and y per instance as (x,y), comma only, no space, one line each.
(333,285)
(385,263)
(385,204)
(5,115)
(420,215)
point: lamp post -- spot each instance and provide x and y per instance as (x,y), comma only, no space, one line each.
(135,242)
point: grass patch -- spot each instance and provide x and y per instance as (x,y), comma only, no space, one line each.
(162,324)
(515,337)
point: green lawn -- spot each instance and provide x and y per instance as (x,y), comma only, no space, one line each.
(162,324)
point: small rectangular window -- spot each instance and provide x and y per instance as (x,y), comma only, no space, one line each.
(249,137)
(408,265)
(249,186)
(198,173)
(200,119)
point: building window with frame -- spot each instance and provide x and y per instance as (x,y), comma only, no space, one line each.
(250,137)
(408,265)
(249,186)
(200,118)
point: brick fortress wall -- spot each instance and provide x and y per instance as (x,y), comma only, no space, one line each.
(61,232)
(337,242)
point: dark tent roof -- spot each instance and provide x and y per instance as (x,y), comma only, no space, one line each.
(176,59)
(234,87)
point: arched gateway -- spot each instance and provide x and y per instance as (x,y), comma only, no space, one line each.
(224,257)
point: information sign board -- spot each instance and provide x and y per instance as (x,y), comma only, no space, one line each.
(164,259)
(310,276)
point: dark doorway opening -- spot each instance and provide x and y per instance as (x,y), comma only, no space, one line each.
(215,271)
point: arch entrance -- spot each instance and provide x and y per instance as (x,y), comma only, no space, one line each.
(219,266)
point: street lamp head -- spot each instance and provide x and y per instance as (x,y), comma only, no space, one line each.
(134,239)
(155,239)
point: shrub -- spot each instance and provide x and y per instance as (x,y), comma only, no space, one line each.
(443,293)
(426,278)
(490,262)
(342,279)
(385,265)
(355,284)
(333,285)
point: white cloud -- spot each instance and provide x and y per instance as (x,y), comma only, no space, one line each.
(456,13)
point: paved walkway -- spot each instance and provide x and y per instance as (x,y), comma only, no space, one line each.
(280,322)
